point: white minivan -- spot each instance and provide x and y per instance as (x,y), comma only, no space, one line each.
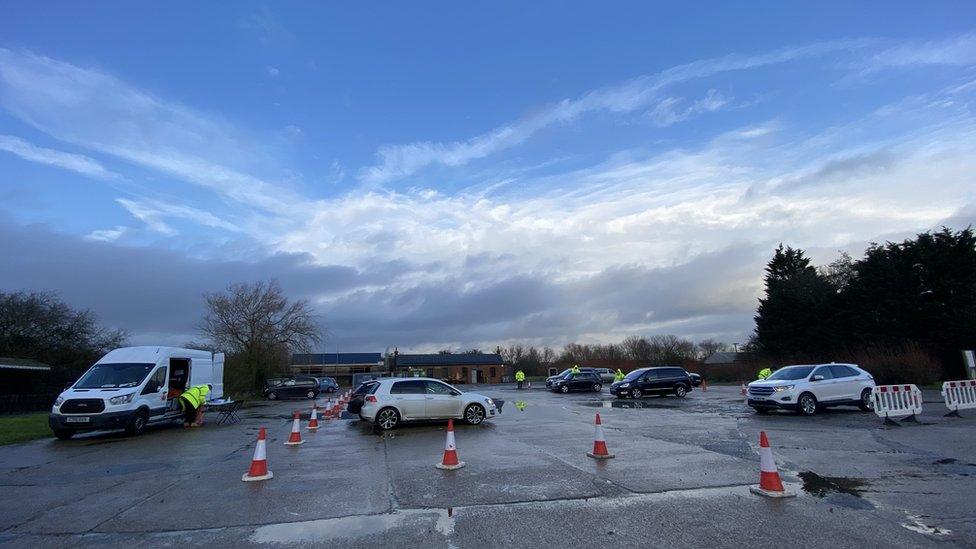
(132,387)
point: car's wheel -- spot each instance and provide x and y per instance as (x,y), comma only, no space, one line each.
(761,411)
(387,418)
(597,387)
(310,394)
(474,414)
(138,423)
(865,403)
(63,434)
(564,388)
(331,389)
(272,395)
(680,391)
(636,393)
(807,404)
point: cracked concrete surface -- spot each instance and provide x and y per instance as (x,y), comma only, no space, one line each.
(680,477)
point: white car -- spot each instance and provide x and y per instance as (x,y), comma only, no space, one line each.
(392,401)
(809,387)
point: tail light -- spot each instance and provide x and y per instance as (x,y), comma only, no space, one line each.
(370,398)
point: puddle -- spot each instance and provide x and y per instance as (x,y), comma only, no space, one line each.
(945,461)
(915,524)
(627,404)
(331,530)
(842,491)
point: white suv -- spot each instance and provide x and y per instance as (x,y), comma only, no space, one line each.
(809,387)
(391,401)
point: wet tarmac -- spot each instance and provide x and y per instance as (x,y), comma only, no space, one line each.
(527,481)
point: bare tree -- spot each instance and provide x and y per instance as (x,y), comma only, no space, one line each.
(636,348)
(258,326)
(708,347)
(548,356)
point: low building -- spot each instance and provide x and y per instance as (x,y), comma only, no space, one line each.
(459,368)
(25,385)
(340,366)
(723,358)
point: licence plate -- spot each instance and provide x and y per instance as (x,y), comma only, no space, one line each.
(77,419)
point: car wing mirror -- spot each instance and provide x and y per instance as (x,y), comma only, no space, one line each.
(817,377)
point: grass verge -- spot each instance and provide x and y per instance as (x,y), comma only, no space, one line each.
(23,427)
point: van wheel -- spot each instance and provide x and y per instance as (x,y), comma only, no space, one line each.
(636,393)
(310,394)
(865,404)
(564,388)
(62,434)
(680,391)
(272,395)
(807,404)
(137,424)
(597,387)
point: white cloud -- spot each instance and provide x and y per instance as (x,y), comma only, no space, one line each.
(958,50)
(396,161)
(153,213)
(107,235)
(273,72)
(69,161)
(671,110)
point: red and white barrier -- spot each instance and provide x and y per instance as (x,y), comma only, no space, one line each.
(895,401)
(959,395)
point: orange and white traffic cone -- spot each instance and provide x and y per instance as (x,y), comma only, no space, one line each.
(313,422)
(599,442)
(259,464)
(450,459)
(770,484)
(704,384)
(296,433)
(743,390)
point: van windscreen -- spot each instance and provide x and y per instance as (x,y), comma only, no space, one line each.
(114,376)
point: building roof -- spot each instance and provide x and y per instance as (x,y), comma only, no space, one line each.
(450,360)
(336,358)
(7,363)
(727,357)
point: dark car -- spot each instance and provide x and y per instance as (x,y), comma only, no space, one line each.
(551,379)
(328,385)
(583,381)
(298,387)
(356,402)
(645,381)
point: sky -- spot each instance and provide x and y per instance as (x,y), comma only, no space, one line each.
(445,175)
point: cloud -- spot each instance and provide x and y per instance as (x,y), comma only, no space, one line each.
(669,110)
(107,235)
(152,213)
(955,51)
(397,161)
(73,162)
(273,72)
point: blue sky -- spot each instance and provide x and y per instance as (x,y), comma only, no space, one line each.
(439,174)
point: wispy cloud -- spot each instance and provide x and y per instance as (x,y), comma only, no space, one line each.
(68,161)
(107,235)
(958,50)
(672,110)
(154,212)
(396,161)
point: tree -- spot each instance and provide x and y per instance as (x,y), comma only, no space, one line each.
(258,327)
(636,348)
(708,347)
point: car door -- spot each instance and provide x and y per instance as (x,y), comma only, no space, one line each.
(443,401)
(648,382)
(289,388)
(824,389)
(410,398)
(845,378)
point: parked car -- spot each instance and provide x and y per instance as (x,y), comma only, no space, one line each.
(551,379)
(696,379)
(807,388)
(356,402)
(299,386)
(392,401)
(661,380)
(606,375)
(583,381)
(328,385)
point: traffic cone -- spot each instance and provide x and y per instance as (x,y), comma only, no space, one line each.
(743,390)
(450,459)
(313,422)
(770,484)
(296,433)
(704,385)
(529,386)
(259,464)
(599,443)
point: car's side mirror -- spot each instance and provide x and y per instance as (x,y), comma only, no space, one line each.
(817,377)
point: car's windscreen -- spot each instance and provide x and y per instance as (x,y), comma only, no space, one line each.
(791,372)
(114,376)
(633,375)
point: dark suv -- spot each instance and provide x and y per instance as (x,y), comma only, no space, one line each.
(653,381)
(583,381)
(552,379)
(298,386)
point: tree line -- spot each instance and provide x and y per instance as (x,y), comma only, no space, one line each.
(907,306)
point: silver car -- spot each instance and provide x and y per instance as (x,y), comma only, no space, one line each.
(394,400)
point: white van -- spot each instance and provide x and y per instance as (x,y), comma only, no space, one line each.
(132,387)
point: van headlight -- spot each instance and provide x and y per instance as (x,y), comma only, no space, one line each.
(782,388)
(58,401)
(121,399)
